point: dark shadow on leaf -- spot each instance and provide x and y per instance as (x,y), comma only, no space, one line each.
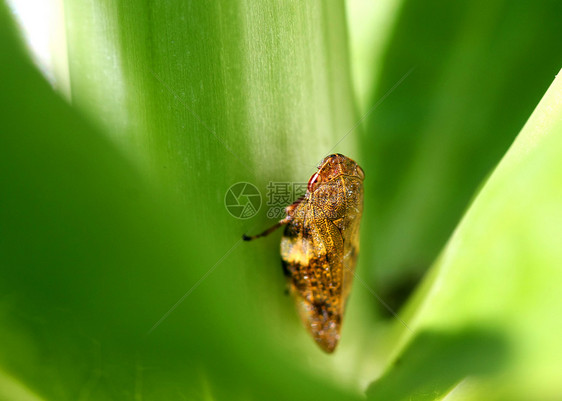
(396,292)
(434,362)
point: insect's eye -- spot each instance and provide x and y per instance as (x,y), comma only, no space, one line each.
(313,180)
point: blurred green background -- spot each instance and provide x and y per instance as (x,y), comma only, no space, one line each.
(123,276)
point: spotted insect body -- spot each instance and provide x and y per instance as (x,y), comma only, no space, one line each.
(320,245)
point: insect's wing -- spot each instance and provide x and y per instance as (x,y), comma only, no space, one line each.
(350,233)
(312,253)
(341,201)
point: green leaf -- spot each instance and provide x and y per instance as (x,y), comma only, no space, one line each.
(105,229)
(485,324)
(479,69)
(123,274)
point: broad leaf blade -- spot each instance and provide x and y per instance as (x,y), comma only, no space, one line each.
(486,321)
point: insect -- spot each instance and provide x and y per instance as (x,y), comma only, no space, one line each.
(320,245)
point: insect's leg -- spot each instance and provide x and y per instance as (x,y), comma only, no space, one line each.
(268,231)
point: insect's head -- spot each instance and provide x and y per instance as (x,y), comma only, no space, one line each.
(332,167)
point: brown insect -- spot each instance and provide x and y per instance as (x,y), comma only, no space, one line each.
(320,246)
